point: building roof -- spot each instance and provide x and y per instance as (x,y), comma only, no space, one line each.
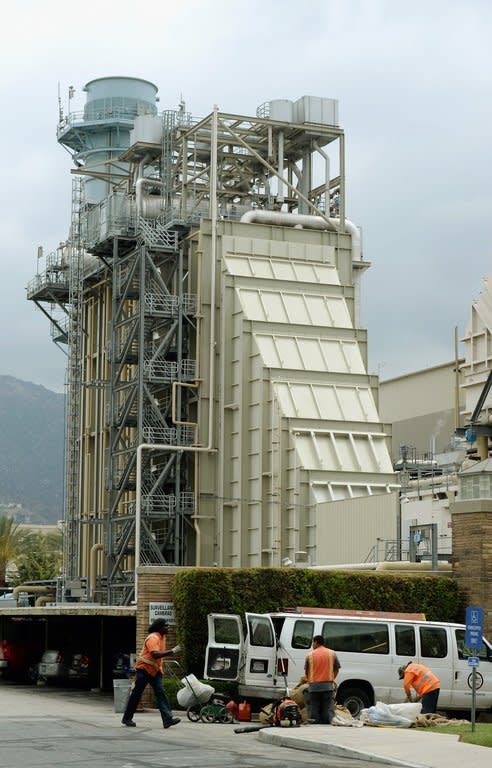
(478,468)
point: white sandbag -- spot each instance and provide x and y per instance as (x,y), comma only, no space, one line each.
(194,692)
(381,714)
(408,709)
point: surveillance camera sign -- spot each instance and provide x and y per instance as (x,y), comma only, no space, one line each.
(162,611)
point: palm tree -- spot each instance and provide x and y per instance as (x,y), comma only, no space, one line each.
(10,543)
(39,557)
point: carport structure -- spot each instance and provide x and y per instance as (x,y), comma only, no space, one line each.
(99,631)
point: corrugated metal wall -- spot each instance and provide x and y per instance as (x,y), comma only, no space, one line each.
(295,415)
(348,530)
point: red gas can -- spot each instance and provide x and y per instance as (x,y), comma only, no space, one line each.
(244,712)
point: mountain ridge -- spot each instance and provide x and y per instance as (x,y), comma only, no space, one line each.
(31,451)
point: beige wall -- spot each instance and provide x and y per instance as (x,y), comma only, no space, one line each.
(431,433)
(421,409)
(418,394)
(347,530)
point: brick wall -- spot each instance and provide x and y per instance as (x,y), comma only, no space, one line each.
(472,554)
(154,586)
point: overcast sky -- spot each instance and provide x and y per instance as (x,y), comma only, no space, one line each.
(413,82)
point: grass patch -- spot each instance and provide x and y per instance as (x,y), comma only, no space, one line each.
(482,735)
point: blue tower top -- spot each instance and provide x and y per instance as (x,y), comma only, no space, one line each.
(102,131)
(125,97)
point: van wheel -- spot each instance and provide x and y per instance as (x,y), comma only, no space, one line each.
(354,699)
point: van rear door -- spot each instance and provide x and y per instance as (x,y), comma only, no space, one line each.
(260,651)
(225,647)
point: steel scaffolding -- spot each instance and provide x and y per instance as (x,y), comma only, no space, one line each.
(130,294)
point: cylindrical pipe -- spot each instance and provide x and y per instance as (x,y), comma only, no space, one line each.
(456,381)
(43,600)
(152,208)
(281,219)
(31,589)
(327,175)
(280,161)
(483,447)
(93,568)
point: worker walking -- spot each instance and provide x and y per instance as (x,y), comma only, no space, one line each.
(424,682)
(322,667)
(149,671)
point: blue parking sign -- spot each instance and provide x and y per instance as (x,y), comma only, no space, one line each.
(474,627)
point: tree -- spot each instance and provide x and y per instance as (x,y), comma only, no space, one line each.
(39,557)
(11,539)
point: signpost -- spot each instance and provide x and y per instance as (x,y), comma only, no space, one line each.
(473,641)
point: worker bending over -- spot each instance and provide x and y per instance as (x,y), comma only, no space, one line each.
(424,682)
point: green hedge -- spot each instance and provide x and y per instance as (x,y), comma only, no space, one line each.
(198,592)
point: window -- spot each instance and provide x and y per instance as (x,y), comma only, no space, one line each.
(226,631)
(484,654)
(433,642)
(356,637)
(405,640)
(302,636)
(260,631)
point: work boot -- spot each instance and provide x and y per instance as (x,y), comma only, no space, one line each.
(173,721)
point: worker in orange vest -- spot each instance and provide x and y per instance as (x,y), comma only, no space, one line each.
(322,667)
(148,670)
(424,682)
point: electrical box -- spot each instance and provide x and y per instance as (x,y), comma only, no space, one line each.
(315,109)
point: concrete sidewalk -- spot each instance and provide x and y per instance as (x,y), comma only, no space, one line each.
(415,748)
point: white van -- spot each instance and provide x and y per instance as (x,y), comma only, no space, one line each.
(268,652)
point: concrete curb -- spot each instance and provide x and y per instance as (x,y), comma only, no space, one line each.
(277,738)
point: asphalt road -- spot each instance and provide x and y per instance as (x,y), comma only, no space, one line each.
(55,728)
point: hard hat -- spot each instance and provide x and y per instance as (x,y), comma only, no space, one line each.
(401,671)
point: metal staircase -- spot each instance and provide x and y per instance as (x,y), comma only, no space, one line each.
(74,385)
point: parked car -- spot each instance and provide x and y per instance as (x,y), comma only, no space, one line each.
(64,666)
(19,660)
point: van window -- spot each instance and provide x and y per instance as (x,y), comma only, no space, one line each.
(463,652)
(226,631)
(302,636)
(356,637)
(405,640)
(260,631)
(433,642)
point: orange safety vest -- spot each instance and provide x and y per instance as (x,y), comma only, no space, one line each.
(320,665)
(153,642)
(420,678)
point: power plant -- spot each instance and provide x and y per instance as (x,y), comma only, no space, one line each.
(219,407)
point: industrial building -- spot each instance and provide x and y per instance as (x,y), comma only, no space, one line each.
(219,408)
(441,432)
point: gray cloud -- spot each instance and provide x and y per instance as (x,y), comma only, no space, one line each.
(414,86)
